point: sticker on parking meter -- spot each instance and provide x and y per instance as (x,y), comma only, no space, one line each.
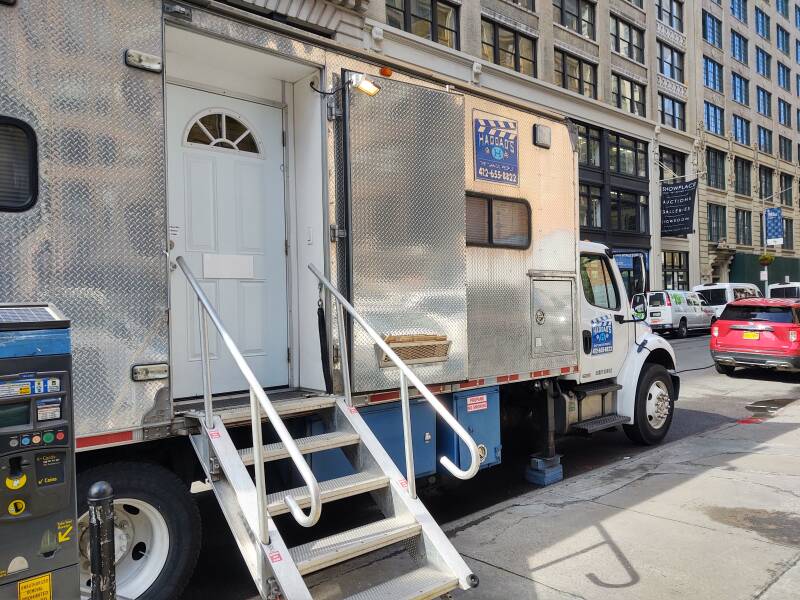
(602,335)
(36,588)
(496,145)
(49,469)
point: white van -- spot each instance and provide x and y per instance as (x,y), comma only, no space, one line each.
(784,290)
(719,294)
(678,311)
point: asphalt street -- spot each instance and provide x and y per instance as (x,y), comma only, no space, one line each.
(707,400)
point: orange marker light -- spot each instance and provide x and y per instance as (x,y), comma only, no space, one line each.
(386,72)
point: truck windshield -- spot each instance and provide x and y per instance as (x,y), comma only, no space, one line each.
(714,296)
(774,314)
(785,292)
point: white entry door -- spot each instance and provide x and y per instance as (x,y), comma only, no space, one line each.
(226,218)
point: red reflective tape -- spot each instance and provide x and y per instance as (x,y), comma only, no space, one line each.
(750,421)
(384,397)
(104,439)
(513,377)
(502,378)
(565,370)
(470,383)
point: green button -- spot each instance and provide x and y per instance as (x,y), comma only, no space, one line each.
(48,437)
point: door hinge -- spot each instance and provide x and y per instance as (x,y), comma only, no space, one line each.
(283,138)
(286,247)
(288,355)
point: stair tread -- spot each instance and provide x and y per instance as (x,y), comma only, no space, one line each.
(343,546)
(599,423)
(598,387)
(333,489)
(306,445)
(425,583)
(284,407)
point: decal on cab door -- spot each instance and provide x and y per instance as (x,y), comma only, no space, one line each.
(602,335)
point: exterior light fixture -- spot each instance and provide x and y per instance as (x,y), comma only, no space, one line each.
(360,82)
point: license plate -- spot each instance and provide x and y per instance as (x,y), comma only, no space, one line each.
(751,335)
(655,314)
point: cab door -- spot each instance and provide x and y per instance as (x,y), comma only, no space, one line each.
(605,339)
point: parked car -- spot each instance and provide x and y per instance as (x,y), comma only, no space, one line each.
(757,332)
(784,290)
(719,294)
(677,311)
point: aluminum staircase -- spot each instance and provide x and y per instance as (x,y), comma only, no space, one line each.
(253,513)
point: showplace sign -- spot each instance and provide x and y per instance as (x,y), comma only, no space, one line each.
(677,207)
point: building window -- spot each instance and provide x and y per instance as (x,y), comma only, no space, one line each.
(431,19)
(670,62)
(675,270)
(672,166)
(627,156)
(741,171)
(764,140)
(797,16)
(498,222)
(739,49)
(782,6)
(672,113)
(787,182)
(762,23)
(782,39)
(744,227)
(588,146)
(741,89)
(784,77)
(628,211)
(784,113)
(763,101)
(788,234)
(19,165)
(739,10)
(712,29)
(627,39)
(508,48)
(717,229)
(575,74)
(577,15)
(785,148)
(715,169)
(714,119)
(797,50)
(529,4)
(765,183)
(670,12)
(712,74)
(638,3)
(763,63)
(591,206)
(628,95)
(741,130)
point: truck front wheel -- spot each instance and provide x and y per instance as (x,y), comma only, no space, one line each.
(157,529)
(655,403)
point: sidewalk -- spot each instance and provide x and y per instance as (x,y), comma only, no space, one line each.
(713,516)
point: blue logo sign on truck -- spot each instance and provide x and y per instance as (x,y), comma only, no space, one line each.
(496,150)
(602,335)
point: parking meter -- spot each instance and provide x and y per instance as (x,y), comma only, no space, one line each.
(38,524)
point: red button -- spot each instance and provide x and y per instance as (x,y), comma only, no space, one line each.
(60,436)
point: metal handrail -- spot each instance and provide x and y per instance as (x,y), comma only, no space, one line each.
(259,401)
(405,374)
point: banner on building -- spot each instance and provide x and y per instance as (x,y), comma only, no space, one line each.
(773,225)
(677,207)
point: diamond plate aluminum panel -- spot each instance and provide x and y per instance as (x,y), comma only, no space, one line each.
(553,326)
(94,243)
(498,285)
(408,258)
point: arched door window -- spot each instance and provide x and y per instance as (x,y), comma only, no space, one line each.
(223,130)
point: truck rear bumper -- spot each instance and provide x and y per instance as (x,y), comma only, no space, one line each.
(766,361)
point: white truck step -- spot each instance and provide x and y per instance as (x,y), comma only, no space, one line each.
(425,583)
(338,548)
(306,445)
(240,411)
(333,489)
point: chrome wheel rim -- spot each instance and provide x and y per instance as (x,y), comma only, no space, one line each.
(658,405)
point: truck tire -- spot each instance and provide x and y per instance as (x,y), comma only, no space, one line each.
(157,529)
(683,329)
(725,369)
(652,415)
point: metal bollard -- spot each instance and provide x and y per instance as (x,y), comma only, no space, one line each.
(101,541)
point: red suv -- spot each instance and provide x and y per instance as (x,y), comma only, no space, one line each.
(757,332)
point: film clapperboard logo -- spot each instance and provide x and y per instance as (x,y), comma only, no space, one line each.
(496,156)
(602,335)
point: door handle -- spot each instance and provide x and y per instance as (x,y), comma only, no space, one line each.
(587,341)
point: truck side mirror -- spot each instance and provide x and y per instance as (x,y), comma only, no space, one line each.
(639,307)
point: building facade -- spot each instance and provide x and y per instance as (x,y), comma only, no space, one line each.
(660,90)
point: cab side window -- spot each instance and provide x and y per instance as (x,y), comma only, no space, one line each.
(19,179)
(599,286)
